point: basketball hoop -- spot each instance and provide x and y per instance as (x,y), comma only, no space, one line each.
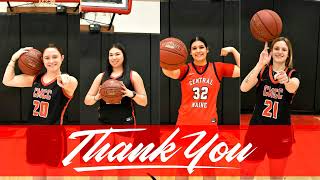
(107,6)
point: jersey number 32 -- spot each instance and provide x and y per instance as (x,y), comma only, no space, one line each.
(200,93)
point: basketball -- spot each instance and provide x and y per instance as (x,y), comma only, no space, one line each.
(110,91)
(31,62)
(173,53)
(265,25)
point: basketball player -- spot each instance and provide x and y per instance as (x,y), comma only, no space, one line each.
(132,88)
(276,83)
(200,83)
(52,92)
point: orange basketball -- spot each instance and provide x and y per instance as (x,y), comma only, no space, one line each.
(265,25)
(173,53)
(110,91)
(31,62)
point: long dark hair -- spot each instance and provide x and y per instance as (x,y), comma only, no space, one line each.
(124,64)
(198,38)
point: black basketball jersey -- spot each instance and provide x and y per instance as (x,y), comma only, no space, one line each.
(49,102)
(120,114)
(273,101)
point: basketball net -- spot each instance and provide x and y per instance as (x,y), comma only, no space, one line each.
(46,3)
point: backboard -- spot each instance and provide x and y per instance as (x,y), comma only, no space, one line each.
(108,6)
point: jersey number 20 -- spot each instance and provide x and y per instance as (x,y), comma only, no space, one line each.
(200,93)
(40,108)
(270,106)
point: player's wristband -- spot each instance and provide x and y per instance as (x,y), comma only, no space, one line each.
(134,94)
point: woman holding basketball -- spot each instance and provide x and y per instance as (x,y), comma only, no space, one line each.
(276,83)
(132,88)
(200,83)
(52,90)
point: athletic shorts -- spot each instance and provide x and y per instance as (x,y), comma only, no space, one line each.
(276,142)
(46,145)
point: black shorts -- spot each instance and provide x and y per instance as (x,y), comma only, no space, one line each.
(123,121)
(127,122)
(276,142)
(46,145)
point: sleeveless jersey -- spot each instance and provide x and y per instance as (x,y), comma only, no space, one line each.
(118,114)
(199,93)
(273,101)
(49,102)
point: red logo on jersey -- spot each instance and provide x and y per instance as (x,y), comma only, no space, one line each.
(42,93)
(275,93)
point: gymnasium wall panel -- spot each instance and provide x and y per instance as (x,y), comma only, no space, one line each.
(317,105)
(73,65)
(10,43)
(90,65)
(303,30)
(155,89)
(230,88)
(164,81)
